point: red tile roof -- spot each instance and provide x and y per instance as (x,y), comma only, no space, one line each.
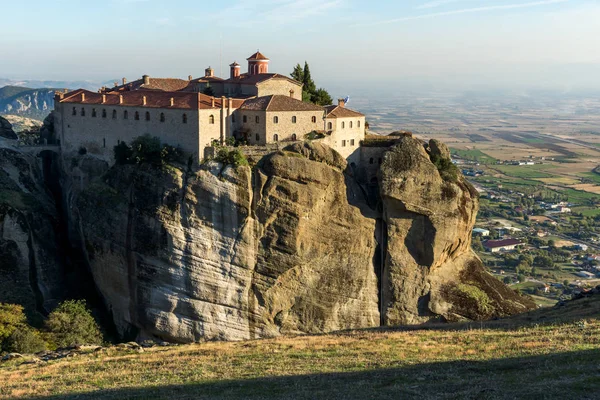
(279,103)
(164,84)
(154,99)
(245,79)
(341,112)
(257,56)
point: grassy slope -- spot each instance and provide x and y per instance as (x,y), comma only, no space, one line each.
(549,353)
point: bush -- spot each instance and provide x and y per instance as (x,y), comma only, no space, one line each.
(234,157)
(448,171)
(71,323)
(146,149)
(11,318)
(123,153)
(25,340)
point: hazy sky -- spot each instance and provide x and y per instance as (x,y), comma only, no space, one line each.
(470,42)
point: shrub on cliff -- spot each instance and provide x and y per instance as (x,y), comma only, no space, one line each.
(11,318)
(15,334)
(447,169)
(71,323)
(146,149)
(233,157)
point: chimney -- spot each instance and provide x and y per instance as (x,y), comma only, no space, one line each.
(144,100)
(172,101)
(82,97)
(235,70)
(230,103)
(146,79)
(103,98)
(212,102)
(222,102)
(120,99)
(116,84)
(208,72)
(341,103)
(124,81)
(190,78)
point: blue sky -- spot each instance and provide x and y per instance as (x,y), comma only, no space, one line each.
(444,41)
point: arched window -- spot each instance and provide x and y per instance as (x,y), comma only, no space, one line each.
(103,113)
(257,137)
(74,111)
(114,114)
(257,119)
(93,113)
(350,124)
(329,125)
(147,115)
(125,114)
(343,125)
(245,119)
(371,161)
(358,124)
(137,116)
(294,137)
(82,112)
(184,118)
(162,117)
(294,119)
(275,120)
(276,138)
(211,119)
(314,119)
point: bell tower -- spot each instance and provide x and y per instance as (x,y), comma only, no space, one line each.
(258,64)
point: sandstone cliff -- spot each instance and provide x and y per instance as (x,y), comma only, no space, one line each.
(287,246)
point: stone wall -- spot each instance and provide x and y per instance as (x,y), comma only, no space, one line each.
(347,133)
(280,86)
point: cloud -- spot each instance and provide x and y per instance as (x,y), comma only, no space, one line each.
(466,11)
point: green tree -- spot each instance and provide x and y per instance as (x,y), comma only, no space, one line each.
(25,340)
(11,318)
(322,97)
(208,90)
(71,323)
(123,153)
(298,73)
(309,84)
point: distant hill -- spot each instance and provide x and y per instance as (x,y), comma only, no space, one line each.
(25,102)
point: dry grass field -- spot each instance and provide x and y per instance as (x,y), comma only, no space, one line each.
(549,353)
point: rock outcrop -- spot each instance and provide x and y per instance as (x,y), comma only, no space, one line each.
(6,130)
(287,246)
(30,267)
(430,270)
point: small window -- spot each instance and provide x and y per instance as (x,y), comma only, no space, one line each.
(343,125)
(294,137)
(82,112)
(314,120)
(162,117)
(257,137)
(74,111)
(371,161)
(257,119)
(104,113)
(350,124)
(137,116)
(351,142)
(211,119)
(343,143)
(245,119)
(184,118)
(294,119)
(276,137)
(93,113)
(358,124)
(147,115)
(114,114)
(329,126)
(125,114)
(275,120)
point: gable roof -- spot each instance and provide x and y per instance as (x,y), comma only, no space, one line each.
(278,103)
(154,99)
(245,79)
(341,112)
(164,84)
(494,244)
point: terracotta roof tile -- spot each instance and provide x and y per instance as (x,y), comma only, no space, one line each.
(164,84)
(245,79)
(279,103)
(154,99)
(257,56)
(341,112)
